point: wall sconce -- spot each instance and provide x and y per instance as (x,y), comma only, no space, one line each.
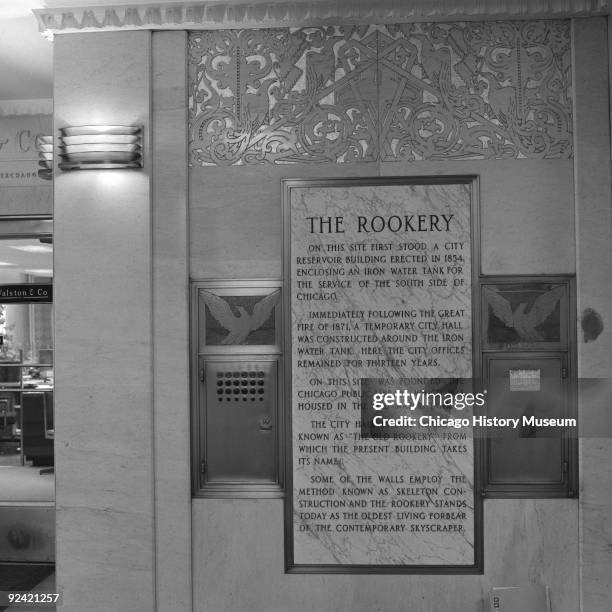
(44,146)
(91,147)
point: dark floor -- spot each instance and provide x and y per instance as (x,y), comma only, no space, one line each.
(22,576)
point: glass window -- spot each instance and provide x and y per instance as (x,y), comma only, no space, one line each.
(27,482)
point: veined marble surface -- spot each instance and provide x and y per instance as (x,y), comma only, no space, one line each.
(371,332)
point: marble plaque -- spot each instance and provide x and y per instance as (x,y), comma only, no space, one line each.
(379,286)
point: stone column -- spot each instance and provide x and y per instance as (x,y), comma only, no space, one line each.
(103,344)
(593,274)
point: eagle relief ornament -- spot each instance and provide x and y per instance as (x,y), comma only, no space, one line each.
(237,323)
(523,319)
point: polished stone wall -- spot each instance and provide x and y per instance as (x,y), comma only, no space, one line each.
(103,343)
(315,534)
(124,512)
(171,412)
(527,227)
(593,272)
(237,232)
(525,541)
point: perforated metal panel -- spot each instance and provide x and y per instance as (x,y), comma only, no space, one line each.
(240,425)
(243,385)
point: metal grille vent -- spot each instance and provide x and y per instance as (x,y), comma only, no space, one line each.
(241,386)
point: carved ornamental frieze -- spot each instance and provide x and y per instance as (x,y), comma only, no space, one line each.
(400,92)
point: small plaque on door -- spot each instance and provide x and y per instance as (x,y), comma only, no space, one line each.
(524,380)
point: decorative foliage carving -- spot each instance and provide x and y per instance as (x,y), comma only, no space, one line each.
(426,91)
(476,90)
(281,96)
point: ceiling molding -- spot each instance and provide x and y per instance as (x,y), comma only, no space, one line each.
(296,13)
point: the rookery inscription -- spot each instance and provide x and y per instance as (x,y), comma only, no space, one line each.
(380,281)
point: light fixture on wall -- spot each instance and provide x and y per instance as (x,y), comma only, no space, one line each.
(44,146)
(85,147)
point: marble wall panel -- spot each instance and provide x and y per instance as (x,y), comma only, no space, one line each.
(103,397)
(527,213)
(594,270)
(231,577)
(316,534)
(171,325)
(108,538)
(527,227)
(534,541)
(236,232)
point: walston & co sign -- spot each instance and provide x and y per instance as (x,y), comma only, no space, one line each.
(26,293)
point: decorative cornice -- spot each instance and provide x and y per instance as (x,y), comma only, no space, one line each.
(299,13)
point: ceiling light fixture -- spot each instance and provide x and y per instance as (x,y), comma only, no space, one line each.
(94,147)
(33,248)
(39,271)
